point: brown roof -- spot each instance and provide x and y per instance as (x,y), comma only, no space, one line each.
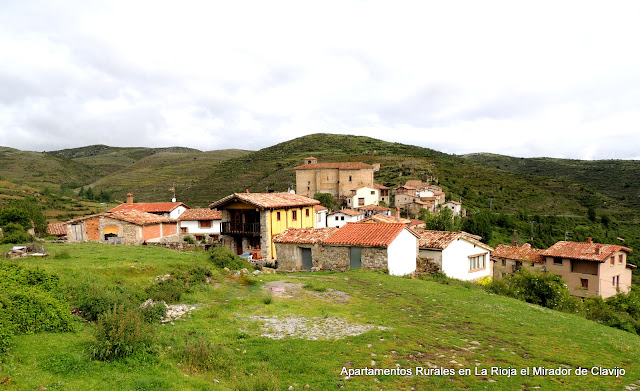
(349,212)
(523,253)
(57,229)
(200,214)
(304,235)
(380,187)
(379,218)
(454,202)
(149,207)
(374,235)
(440,240)
(583,250)
(363,187)
(267,200)
(373,208)
(340,166)
(414,183)
(319,207)
(136,217)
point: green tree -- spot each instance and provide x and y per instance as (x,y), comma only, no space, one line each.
(591,213)
(325,199)
(12,214)
(441,221)
(479,223)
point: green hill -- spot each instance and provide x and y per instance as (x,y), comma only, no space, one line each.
(618,179)
(320,325)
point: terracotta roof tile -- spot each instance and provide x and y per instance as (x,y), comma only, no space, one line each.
(137,217)
(374,235)
(440,240)
(522,253)
(583,250)
(375,208)
(319,208)
(341,166)
(200,214)
(385,219)
(149,207)
(57,229)
(304,235)
(349,212)
(380,187)
(267,200)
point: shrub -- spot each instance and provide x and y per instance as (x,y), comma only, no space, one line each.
(169,290)
(223,257)
(189,239)
(6,329)
(120,333)
(94,298)
(33,310)
(199,354)
(601,312)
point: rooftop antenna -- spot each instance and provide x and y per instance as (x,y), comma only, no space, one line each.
(173,189)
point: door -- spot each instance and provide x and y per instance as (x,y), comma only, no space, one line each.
(355,257)
(76,232)
(306,259)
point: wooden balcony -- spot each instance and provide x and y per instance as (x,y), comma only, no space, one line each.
(246,229)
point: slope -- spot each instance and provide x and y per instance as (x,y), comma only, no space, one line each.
(618,179)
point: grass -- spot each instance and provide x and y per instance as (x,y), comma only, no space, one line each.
(219,347)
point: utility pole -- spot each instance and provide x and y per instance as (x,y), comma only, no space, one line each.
(490,204)
(531,222)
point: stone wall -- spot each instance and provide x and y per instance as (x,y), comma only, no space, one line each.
(426,266)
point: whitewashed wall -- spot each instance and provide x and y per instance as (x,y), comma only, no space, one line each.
(402,253)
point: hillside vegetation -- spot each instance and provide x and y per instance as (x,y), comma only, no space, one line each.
(359,319)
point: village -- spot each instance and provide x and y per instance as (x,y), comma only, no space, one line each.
(292,231)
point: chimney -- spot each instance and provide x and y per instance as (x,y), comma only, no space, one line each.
(129,198)
(246,190)
(398,214)
(598,250)
(515,243)
(589,240)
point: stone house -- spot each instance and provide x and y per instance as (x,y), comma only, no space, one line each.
(510,259)
(251,220)
(202,224)
(172,210)
(122,227)
(459,255)
(383,193)
(371,246)
(336,179)
(590,269)
(344,216)
(363,195)
(370,210)
(56,229)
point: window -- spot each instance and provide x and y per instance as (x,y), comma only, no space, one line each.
(613,259)
(306,212)
(278,216)
(342,218)
(620,258)
(361,201)
(294,215)
(184,230)
(613,283)
(349,178)
(204,224)
(584,283)
(476,262)
(373,192)
(557,261)
(504,262)
(533,264)
(308,182)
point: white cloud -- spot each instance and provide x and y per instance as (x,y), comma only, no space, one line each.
(527,79)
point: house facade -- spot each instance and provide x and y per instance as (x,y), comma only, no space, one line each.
(122,227)
(369,246)
(590,269)
(321,216)
(458,254)
(383,194)
(510,259)
(363,196)
(171,210)
(202,224)
(336,179)
(251,220)
(344,216)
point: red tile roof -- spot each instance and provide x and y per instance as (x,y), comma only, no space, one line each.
(373,208)
(57,229)
(385,219)
(200,214)
(363,187)
(440,240)
(380,187)
(416,184)
(319,208)
(149,207)
(267,200)
(304,235)
(340,166)
(522,253)
(349,212)
(374,235)
(583,251)
(454,202)
(136,217)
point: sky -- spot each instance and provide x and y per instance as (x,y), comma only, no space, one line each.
(520,78)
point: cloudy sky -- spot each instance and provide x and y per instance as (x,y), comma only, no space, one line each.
(522,78)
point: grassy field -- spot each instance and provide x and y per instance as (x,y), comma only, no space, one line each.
(400,323)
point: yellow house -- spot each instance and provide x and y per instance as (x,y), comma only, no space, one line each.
(251,220)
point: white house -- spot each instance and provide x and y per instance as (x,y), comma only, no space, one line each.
(362,196)
(321,216)
(458,254)
(455,207)
(172,210)
(344,216)
(200,223)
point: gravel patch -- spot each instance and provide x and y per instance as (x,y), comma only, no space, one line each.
(311,328)
(290,290)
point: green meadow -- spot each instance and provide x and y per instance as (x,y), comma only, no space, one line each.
(319,326)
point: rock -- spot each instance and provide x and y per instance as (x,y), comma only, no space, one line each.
(315,269)
(268,270)
(226,269)
(256,272)
(244,271)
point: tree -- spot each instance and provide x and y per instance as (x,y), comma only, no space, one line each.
(591,213)
(479,223)
(12,214)
(325,199)
(441,221)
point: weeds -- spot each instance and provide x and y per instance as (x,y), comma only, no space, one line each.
(120,333)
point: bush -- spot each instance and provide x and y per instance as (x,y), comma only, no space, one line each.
(33,310)
(223,257)
(189,239)
(120,333)
(93,298)
(6,329)
(601,312)
(169,291)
